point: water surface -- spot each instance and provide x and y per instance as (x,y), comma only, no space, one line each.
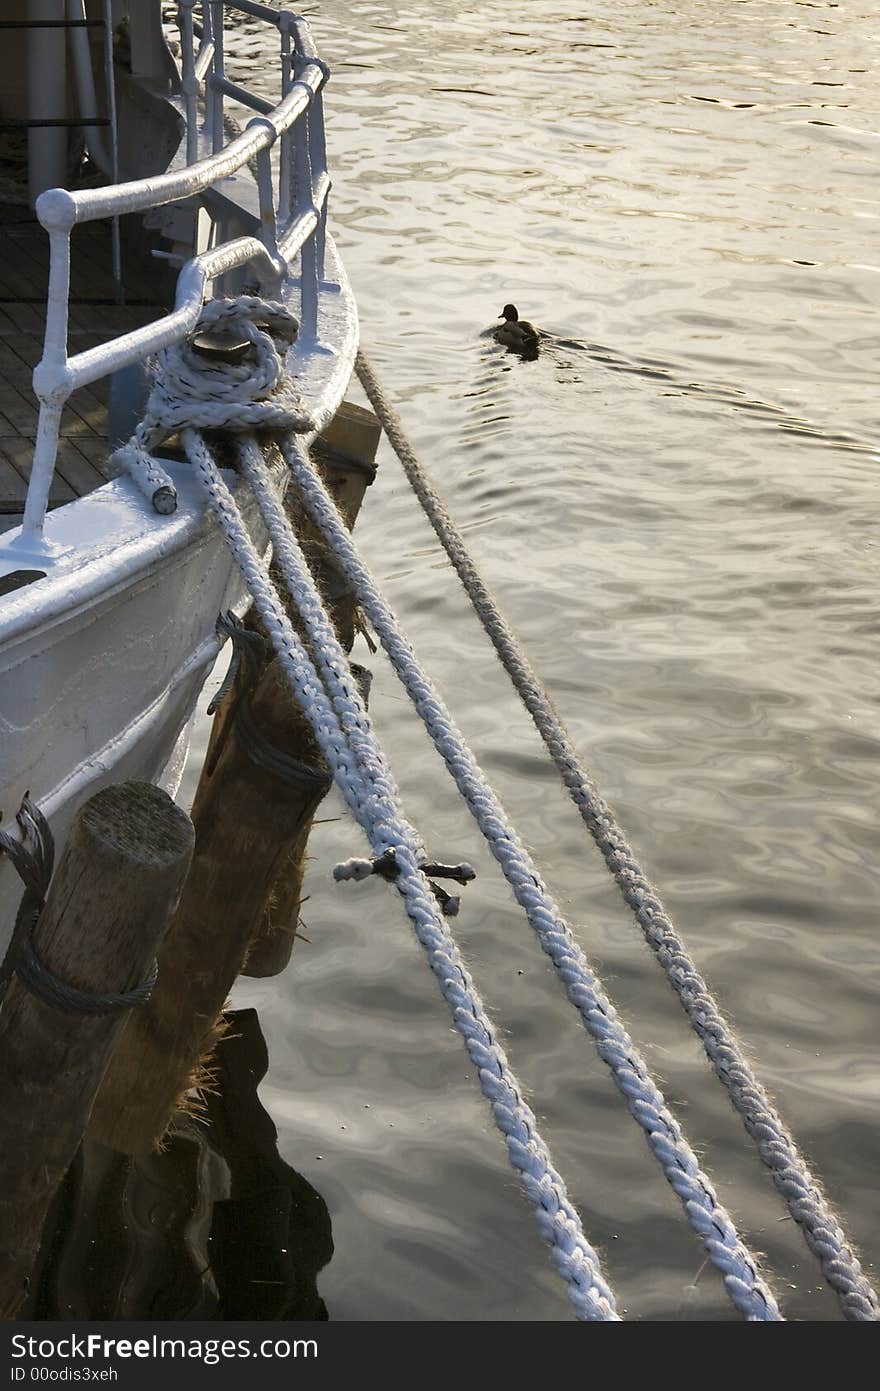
(675,506)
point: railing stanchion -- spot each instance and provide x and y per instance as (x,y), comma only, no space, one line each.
(189,83)
(308,252)
(110,75)
(317,142)
(268,226)
(286,152)
(51,384)
(215,89)
(318,159)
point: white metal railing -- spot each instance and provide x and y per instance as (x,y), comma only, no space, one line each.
(292,223)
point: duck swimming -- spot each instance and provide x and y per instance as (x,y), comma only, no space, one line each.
(516,333)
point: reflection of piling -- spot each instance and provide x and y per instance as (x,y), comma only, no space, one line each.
(262,782)
(215,1225)
(98,934)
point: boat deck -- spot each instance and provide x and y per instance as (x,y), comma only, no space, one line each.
(94,317)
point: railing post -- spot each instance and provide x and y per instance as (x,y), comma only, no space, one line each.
(318,158)
(305,204)
(216,95)
(87,102)
(284,170)
(268,226)
(303,196)
(47,95)
(57,211)
(110,83)
(189,83)
(316,134)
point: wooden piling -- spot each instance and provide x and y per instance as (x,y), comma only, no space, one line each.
(345,457)
(107,908)
(345,454)
(246,818)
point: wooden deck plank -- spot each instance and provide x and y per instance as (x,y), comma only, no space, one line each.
(97,452)
(76,470)
(91,265)
(13,489)
(26,318)
(19,411)
(87,409)
(14,371)
(18,452)
(20,275)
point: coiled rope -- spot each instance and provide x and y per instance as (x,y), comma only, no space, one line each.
(807,1204)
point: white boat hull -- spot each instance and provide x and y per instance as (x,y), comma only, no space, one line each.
(102,662)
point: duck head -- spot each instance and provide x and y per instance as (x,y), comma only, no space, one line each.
(509,312)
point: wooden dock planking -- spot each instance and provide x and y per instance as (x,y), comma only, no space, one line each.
(13,488)
(18,452)
(94,318)
(78,472)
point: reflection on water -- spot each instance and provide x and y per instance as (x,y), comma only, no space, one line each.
(676,505)
(214,1226)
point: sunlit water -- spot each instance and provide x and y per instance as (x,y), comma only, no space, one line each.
(675,505)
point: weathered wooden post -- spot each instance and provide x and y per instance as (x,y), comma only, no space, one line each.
(246,813)
(345,455)
(107,908)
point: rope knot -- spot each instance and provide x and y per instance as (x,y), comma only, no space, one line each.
(229,374)
(387,867)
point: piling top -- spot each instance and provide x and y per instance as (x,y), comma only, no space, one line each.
(140,822)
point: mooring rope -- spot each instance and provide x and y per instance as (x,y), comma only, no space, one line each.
(334,707)
(644,1099)
(809,1207)
(374,807)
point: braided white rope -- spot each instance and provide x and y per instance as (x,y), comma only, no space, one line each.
(362,778)
(154,482)
(644,1099)
(778,1149)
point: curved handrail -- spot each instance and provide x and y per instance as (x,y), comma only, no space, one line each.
(59,209)
(296,121)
